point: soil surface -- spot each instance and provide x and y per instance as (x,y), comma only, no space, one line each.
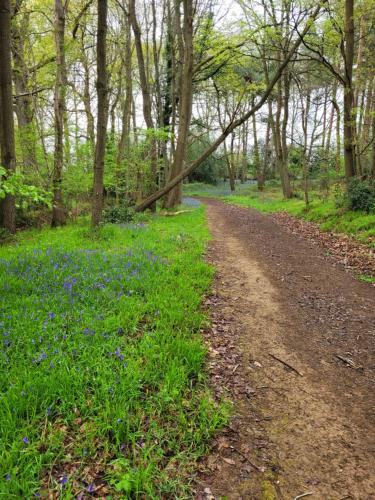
(292,345)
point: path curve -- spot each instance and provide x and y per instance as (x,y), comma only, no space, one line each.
(278,299)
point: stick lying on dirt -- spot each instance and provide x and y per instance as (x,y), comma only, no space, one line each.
(286,364)
(348,362)
(303,495)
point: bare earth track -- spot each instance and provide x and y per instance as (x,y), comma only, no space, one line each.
(304,428)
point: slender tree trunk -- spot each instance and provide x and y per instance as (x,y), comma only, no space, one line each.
(146,94)
(58,210)
(372,169)
(185,105)
(349,123)
(102,118)
(124,143)
(90,125)
(7,147)
(244,153)
(23,103)
(256,156)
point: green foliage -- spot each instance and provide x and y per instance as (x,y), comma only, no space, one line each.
(5,235)
(25,194)
(102,358)
(118,215)
(210,170)
(360,195)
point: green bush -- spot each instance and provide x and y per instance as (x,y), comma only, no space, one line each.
(360,195)
(118,215)
(4,235)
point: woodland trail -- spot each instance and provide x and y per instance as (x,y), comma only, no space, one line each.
(278,298)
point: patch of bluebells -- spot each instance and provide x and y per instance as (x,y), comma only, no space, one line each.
(191,202)
(53,308)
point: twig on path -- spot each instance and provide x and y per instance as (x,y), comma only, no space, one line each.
(304,495)
(286,364)
(349,362)
(259,469)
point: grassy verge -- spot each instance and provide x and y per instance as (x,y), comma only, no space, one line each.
(101,359)
(357,224)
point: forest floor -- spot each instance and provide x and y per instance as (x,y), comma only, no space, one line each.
(292,346)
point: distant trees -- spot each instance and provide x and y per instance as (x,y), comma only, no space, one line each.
(287,90)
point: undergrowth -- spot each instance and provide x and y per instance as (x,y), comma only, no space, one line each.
(102,361)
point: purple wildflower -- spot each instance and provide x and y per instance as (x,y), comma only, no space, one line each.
(90,488)
(8,477)
(64,480)
(25,440)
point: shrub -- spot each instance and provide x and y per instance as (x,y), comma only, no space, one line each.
(118,215)
(360,195)
(4,235)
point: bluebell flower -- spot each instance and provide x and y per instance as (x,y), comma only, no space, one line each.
(64,480)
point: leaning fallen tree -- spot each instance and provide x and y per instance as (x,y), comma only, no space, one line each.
(233,125)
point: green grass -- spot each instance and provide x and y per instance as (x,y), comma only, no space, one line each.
(359,225)
(102,361)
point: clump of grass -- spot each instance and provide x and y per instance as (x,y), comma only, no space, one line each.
(101,359)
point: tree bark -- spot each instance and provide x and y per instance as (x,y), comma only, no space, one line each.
(146,92)
(185,105)
(349,123)
(7,146)
(124,142)
(58,210)
(256,156)
(24,102)
(102,117)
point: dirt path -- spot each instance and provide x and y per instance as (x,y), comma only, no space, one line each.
(311,430)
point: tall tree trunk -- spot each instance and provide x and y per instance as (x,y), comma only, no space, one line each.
(338,132)
(8,154)
(244,153)
(58,210)
(90,124)
(124,142)
(349,123)
(23,103)
(256,156)
(102,117)
(372,169)
(185,105)
(146,93)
